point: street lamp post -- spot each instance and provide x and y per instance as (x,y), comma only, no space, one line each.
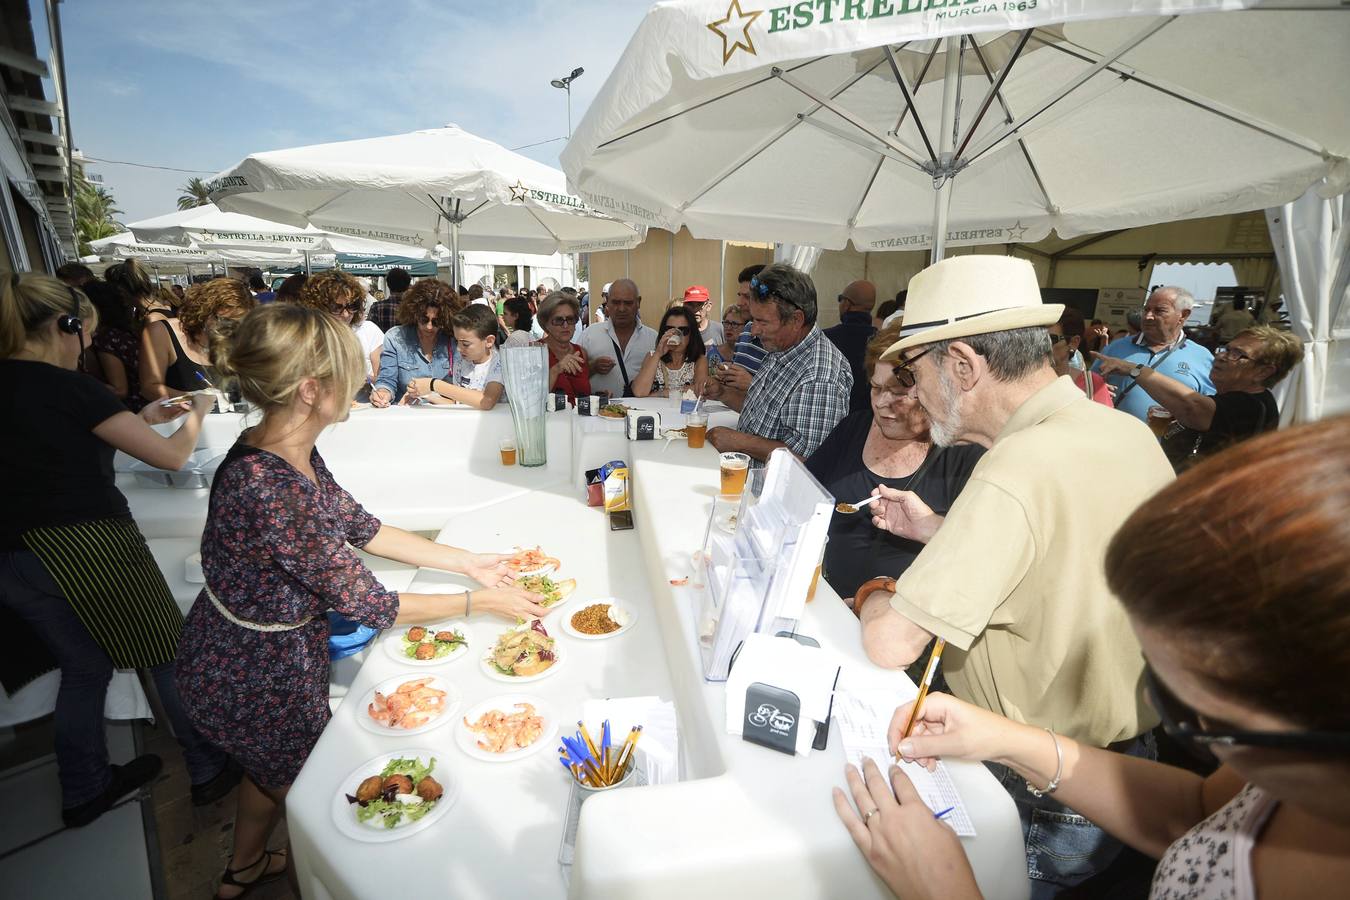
(565,83)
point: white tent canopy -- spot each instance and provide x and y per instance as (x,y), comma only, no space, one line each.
(887,123)
(210,228)
(441,184)
(124,245)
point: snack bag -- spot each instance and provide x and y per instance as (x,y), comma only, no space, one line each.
(615,476)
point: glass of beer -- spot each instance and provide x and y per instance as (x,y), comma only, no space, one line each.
(508,448)
(735,466)
(696,428)
(1159,420)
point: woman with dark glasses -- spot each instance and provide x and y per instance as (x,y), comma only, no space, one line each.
(1247,637)
(678,361)
(338,293)
(568,370)
(420,346)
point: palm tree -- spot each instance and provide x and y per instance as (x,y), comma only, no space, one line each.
(94,211)
(195,193)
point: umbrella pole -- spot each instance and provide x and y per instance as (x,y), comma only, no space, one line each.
(942,194)
(454,254)
(306,262)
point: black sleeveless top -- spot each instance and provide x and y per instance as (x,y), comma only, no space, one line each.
(182,374)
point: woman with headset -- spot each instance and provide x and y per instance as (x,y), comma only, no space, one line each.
(73,565)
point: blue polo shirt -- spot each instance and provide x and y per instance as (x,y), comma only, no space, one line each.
(1189,363)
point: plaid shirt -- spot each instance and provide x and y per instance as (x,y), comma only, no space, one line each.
(384,312)
(798,395)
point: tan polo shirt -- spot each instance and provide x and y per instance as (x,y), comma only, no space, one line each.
(1014,579)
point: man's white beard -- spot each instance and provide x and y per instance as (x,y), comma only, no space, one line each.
(947,424)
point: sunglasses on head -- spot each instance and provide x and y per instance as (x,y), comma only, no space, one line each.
(1183,724)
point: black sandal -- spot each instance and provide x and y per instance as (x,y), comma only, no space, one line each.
(228,879)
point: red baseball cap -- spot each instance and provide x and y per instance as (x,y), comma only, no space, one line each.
(696,294)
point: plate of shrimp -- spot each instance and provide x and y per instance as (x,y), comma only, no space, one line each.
(532,561)
(506,728)
(403,705)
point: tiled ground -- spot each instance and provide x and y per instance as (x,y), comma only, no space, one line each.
(194,843)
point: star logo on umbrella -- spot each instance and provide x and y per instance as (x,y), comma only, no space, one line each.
(1016,230)
(735,34)
(518,191)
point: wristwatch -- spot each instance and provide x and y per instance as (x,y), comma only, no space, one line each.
(1136,371)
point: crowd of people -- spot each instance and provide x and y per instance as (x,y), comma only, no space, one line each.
(977,414)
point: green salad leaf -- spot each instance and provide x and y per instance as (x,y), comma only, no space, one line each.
(413,768)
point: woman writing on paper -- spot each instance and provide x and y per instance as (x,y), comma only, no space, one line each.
(1248,659)
(253,662)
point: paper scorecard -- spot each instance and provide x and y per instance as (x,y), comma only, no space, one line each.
(863,717)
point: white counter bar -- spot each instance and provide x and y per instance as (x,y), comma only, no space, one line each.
(501,838)
(749,821)
(745,817)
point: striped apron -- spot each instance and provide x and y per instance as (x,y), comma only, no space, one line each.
(113,583)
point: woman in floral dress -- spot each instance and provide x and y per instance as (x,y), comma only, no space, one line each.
(253,659)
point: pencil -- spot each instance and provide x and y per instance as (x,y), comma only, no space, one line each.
(924,685)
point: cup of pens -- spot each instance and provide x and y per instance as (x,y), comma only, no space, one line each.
(599,767)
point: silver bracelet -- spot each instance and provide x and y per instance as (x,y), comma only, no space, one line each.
(468,605)
(1059,769)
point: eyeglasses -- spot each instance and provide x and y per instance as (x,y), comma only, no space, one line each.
(339,309)
(431,320)
(682,329)
(1182,723)
(1232,355)
(560,321)
(904,374)
(732,323)
(1057,338)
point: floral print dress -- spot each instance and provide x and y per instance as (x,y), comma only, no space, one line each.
(275,551)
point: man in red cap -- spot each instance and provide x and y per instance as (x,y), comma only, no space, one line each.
(696,300)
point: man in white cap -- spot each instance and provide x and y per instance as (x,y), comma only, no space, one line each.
(1012,578)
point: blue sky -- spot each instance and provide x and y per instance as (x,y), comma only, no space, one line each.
(199,86)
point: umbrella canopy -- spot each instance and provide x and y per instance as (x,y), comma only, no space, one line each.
(886,123)
(439,184)
(210,228)
(124,245)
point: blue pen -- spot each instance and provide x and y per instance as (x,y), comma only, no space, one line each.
(939,815)
(203,379)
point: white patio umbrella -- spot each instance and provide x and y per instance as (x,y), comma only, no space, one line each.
(901,124)
(208,227)
(440,184)
(179,257)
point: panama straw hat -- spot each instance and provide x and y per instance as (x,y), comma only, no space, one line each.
(967,295)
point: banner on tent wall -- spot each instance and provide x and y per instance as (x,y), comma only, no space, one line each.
(365,264)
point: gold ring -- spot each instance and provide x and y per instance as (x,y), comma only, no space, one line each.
(867,817)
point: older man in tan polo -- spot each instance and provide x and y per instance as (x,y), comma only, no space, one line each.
(1012,577)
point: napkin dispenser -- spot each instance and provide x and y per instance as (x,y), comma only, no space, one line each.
(589,405)
(643,425)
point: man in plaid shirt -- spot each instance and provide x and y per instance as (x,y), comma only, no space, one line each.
(801,390)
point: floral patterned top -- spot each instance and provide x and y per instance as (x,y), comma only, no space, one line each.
(275,551)
(1213,861)
(127,348)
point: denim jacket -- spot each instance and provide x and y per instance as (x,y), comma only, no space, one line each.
(402,360)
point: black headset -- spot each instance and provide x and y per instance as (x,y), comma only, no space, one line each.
(72,323)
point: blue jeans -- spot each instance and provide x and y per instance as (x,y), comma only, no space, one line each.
(81,743)
(1063,848)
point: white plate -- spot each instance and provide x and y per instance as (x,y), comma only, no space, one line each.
(613,601)
(468,740)
(453,699)
(393,644)
(491,671)
(344,813)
